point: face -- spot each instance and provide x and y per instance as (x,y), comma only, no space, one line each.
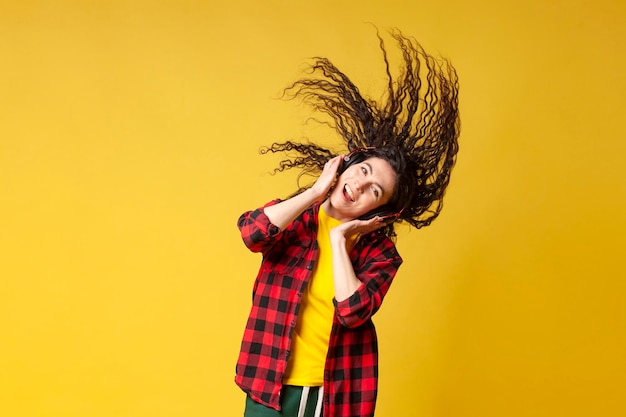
(361,188)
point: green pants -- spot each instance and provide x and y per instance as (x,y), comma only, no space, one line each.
(295,402)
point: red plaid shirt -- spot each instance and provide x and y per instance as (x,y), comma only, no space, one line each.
(351,371)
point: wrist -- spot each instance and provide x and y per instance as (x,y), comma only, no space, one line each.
(337,238)
(315,194)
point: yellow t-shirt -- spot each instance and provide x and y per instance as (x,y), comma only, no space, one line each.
(310,338)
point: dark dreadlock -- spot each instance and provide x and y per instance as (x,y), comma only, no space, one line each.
(417,124)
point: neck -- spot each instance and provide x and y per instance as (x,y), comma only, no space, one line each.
(331,212)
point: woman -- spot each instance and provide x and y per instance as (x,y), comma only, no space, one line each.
(309,347)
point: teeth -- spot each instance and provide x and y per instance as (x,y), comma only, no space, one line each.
(348,191)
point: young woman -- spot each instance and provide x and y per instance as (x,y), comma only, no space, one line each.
(309,347)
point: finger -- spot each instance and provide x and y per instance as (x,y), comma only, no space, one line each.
(378,222)
(333,163)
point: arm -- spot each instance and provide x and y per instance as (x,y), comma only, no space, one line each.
(359,293)
(345,279)
(262,227)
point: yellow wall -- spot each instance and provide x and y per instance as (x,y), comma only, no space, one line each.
(128,147)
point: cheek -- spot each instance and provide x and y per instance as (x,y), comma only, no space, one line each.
(371,203)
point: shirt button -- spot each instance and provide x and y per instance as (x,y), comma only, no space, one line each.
(309,267)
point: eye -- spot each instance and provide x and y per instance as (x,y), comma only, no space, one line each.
(375,191)
(363,170)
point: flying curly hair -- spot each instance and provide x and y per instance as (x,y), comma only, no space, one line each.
(415,126)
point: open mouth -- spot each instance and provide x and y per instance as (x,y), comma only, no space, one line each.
(348,194)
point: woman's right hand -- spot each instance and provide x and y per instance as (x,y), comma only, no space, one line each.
(327,177)
(283,213)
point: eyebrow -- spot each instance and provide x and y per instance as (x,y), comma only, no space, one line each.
(369,167)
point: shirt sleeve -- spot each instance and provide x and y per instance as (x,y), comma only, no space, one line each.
(375,267)
(257,231)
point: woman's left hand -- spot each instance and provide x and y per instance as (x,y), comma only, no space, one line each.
(357,226)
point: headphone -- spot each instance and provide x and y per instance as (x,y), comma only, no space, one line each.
(387,212)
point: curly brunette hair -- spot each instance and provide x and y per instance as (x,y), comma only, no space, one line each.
(415,127)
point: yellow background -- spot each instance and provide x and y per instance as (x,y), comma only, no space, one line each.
(129,137)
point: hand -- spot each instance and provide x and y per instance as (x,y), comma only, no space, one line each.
(327,177)
(348,229)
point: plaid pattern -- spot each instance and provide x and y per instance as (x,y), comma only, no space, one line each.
(351,372)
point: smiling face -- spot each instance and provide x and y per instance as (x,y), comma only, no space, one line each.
(361,188)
